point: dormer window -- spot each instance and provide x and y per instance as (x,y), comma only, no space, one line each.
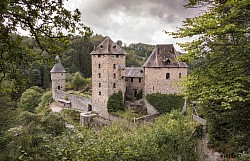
(168,62)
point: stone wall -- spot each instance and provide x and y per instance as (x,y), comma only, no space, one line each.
(131,87)
(150,109)
(77,102)
(147,118)
(155,80)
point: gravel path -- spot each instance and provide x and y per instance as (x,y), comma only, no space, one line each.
(55,107)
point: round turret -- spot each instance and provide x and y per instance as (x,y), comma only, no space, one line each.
(58,75)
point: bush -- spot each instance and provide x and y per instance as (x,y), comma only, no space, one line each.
(115,102)
(169,138)
(72,116)
(30,98)
(128,114)
(54,123)
(46,99)
(228,129)
(78,81)
(164,103)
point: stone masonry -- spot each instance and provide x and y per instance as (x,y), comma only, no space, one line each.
(108,74)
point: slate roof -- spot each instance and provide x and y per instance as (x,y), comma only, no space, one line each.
(108,47)
(134,72)
(58,68)
(161,55)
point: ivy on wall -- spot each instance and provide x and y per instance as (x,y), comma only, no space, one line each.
(164,103)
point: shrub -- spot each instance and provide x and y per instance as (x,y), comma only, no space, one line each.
(78,81)
(115,102)
(169,138)
(164,103)
(72,116)
(54,123)
(228,129)
(46,99)
(30,98)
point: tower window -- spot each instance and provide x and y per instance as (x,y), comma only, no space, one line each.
(139,80)
(168,76)
(99,75)
(179,75)
(100,93)
(114,76)
(99,85)
(117,56)
(132,80)
(114,66)
(99,56)
(113,85)
(99,65)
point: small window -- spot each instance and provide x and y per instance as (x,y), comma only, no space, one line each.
(114,76)
(114,66)
(89,107)
(126,88)
(179,75)
(168,76)
(61,74)
(168,62)
(126,79)
(99,65)
(153,88)
(99,75)
(132,80)
(113,85)
(117,56)
(122,77)
(100,93)
(58,87)
(99,56)
(139,80)
(99,85)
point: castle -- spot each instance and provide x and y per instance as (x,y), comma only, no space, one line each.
(162,73)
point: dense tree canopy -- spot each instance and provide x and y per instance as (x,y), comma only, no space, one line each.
(48,22)
(221,53)
(220,79)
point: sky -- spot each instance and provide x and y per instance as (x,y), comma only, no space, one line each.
(134,21)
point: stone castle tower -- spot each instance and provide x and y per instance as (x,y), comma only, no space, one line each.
(163,72)
(108,74)
(58,75)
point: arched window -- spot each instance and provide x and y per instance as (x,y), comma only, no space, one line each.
(179,75)
(114,66)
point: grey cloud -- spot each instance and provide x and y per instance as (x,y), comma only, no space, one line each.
(134,20)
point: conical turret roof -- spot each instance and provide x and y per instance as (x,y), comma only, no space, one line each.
(58,68)
(108,47)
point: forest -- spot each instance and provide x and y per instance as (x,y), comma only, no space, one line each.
(219,82)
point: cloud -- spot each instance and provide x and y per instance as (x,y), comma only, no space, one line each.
(134,20)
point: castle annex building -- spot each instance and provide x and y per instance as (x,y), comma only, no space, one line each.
(162,73)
